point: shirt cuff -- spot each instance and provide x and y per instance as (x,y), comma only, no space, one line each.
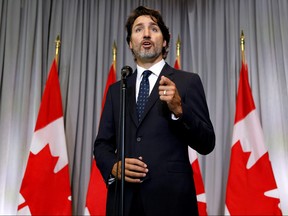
(111,179)
(173,117)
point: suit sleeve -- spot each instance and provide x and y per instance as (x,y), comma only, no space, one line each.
(196,124)
(105,143)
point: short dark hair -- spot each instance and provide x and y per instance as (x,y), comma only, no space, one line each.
(156,17)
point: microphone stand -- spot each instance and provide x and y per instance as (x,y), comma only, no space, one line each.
(125,72)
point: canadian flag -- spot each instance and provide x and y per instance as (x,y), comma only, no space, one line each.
(251,187)
(45,188)
(199,185)
(177,63)
(97,191)
(197,176)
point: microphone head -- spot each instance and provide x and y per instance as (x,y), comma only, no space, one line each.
(126,71)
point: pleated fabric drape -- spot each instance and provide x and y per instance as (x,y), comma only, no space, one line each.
(209,33)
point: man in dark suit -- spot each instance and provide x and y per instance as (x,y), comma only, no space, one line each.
(160,125)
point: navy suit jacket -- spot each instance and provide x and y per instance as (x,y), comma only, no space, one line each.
(163,143)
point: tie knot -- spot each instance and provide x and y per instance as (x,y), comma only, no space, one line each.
(146,73)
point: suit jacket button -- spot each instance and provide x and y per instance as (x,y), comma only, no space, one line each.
(138,139)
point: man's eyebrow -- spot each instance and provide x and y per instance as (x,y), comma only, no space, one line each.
(138,24)
(154,24)
(150,24)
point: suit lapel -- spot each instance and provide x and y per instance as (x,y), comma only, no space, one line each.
(131,97)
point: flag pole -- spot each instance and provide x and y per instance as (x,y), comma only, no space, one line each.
(178,47)
(242,45)
(114,54)
(57,49)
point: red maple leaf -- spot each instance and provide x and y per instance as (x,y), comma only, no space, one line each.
(245,196)
(45,192)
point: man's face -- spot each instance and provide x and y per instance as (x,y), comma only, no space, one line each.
(146,40)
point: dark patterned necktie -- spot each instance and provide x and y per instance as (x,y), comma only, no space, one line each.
(143,94)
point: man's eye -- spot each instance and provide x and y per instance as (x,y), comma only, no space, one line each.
(137,29)
(155,29)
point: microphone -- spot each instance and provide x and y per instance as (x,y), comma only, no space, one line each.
(126,71)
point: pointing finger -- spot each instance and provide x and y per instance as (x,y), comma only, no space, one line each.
(165,81)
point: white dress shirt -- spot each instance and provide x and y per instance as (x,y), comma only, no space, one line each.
(155,69)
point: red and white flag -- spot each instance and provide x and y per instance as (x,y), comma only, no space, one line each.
(197,176)
(45,188)
(199,185)
(97,190)
(251,186)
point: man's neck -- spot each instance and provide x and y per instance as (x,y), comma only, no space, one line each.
(148,64)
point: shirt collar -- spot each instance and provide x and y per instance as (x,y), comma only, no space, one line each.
(155,69)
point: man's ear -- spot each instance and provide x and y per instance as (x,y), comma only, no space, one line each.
(164,43)
(130,45)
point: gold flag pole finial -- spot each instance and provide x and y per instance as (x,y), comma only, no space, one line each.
(178,47)
(57,46)
(114,54)
(242,45)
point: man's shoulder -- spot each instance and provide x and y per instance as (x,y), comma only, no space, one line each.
(188,74)
(181,71)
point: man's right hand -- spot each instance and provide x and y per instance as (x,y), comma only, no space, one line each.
(135,170)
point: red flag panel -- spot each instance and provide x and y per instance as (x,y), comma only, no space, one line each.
(251,186)
(97,191)
(197,176)
(45,188)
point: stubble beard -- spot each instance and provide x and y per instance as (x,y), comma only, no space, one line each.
(147,54)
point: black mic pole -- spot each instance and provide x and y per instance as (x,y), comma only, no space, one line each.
(125,72)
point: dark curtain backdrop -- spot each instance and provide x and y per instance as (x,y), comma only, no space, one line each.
(209,32)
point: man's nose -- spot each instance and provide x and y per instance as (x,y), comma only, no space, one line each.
(146,33)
